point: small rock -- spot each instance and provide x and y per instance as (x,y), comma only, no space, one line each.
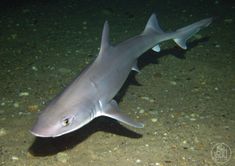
(228,20)
(34,68)
(217,46)
(173,83)
(154,120)
(15,158)
(64,71)
(192,115)
(33,108)
(23,94)
(138,161)
(151,100)
(145,98)
(2,112)
(216,2)
(62,157)
(107,11)
(16,105)
(198,36)
(20,113)
(141,111)
(192,119)
(3,132)
(13,36)
(25,11)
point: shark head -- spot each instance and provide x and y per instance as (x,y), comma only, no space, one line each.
(57,120)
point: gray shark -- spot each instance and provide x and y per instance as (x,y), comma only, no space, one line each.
(91,94)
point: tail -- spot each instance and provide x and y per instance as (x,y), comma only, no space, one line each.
(180,36)
(183,34)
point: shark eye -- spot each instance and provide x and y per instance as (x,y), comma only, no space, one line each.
(67,121)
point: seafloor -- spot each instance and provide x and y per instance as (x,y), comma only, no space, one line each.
(185,98)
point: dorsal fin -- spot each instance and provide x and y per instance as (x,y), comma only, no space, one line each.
(152,25)
(105,37)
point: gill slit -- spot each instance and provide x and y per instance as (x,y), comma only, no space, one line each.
(97,107)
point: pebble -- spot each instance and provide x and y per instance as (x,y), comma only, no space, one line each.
(64,71)
(34,68)
(217,46)
(3,132)
(216,2)
(16,105)
(198,36)
(173,83)
(192,115)
(141,111)
(23,94)
(151,100)
(138,161)
(62,157)
(192,119)
(145,98)
(2,112)
(154,120)
(13,36)
(228,20)
(15,158)
(25,11)
(33,108)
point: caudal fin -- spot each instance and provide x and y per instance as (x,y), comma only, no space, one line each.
(183,34)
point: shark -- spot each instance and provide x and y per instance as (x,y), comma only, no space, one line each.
(92,93)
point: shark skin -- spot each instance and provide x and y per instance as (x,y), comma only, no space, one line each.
(91,94)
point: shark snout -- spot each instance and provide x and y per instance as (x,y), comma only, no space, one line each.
(44,129)
(39,132)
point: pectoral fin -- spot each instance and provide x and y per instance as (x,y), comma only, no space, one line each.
(112,110)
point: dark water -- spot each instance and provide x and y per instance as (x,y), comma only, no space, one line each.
(185,98)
